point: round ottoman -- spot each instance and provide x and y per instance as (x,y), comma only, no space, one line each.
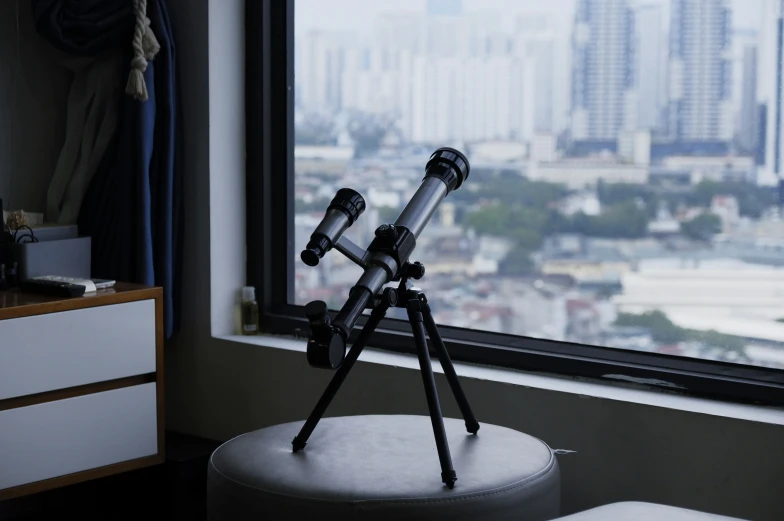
(382,468)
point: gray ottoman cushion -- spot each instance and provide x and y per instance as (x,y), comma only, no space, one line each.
(382,468)
(634,511)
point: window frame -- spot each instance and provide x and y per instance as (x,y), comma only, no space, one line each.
(269,28)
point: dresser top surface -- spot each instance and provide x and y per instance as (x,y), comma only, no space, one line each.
(15,304)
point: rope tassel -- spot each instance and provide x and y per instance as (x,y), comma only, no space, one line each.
(150,43)
(145,47)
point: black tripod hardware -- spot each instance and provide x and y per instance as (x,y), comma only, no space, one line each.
(422,324)
(386,260)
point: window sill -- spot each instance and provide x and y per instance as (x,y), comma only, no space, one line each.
(588,389)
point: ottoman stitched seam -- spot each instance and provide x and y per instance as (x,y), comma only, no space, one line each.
(508,488)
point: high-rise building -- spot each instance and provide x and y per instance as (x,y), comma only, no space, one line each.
(468,100)
(444,7)
(700,108)
(651,65)
(319,63)
(603,97)
(770,84)
(535,42)
(748,129)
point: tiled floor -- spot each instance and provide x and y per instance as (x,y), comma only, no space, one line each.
(175,490)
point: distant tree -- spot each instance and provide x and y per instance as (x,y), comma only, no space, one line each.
(517,262)
(367,131)
(752,200)
(523,224)
(622,221)
(718,340)
(662,329)
(614,193)
(702,227)
(511,190)
(315,129)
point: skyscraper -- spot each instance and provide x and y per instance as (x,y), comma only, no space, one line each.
(700,107)
(651,64)
(768,92)
(748,131)
(444,7)
(319,64)
(603,97)
(535,41)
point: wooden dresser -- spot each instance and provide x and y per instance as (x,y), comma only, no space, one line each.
(81,386)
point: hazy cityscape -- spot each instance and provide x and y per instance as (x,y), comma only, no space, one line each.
(625,162)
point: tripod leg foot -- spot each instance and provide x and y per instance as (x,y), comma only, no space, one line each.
(297,444)
(301,439)
(449,477)
(472,425)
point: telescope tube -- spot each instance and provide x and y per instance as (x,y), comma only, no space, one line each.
(445,171)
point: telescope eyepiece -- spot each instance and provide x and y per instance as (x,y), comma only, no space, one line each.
(344,209)
(315,250)
(449,165)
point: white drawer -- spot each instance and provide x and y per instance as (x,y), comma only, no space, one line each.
(58,438)
(58,350)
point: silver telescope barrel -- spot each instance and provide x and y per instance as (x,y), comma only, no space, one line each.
(445,171)
(414,217)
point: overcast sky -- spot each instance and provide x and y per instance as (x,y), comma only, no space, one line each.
(354,14)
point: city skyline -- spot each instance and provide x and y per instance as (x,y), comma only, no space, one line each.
(353,15)
(514,76)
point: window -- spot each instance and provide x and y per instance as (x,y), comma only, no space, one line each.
(620,218)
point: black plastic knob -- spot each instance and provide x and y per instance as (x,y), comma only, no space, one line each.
(316,311)
(386,231)
(327,352)
(416,270)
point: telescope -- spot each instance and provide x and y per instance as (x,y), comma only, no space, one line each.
(385,260)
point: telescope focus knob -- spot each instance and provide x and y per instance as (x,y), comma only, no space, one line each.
(326,346)
(386,231)
(316,312)
(415,270)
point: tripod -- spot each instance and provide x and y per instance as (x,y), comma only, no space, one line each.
(422,322)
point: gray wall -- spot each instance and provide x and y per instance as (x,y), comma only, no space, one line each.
(33,90)
(218,389)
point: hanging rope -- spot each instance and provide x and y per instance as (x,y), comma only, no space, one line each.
(145,47)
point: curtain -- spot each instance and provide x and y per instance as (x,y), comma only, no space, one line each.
(131,205)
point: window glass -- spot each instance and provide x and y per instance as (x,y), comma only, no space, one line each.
(623,163)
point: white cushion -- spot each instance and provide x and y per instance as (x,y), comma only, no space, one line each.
(636,511)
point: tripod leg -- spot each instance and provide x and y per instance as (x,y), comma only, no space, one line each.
(301,439)
(472,425)
(448,475)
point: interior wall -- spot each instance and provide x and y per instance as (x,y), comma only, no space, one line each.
(218,389)
(33,91)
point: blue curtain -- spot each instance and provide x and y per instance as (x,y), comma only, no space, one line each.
(133,206)
(84,27)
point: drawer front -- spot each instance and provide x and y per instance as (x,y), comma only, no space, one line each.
(57,438)
(58,350)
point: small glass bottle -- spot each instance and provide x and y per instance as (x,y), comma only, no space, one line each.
(250,311)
